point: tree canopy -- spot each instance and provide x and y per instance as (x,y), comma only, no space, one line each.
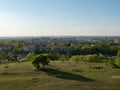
(38,60)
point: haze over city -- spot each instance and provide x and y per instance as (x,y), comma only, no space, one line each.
(59,17)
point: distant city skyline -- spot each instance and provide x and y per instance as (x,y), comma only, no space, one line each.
(59,17)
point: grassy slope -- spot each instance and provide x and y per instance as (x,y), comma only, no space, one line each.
(59,76)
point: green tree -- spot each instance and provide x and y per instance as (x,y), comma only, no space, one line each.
(18,57)
(30,55)
(3,55)
(117,61)
(75,58)
(39,59)
(64,58)
(91,58)
(81,57)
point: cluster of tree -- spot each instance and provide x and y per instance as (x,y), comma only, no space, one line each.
(43,59)
(89,58)
(62,48)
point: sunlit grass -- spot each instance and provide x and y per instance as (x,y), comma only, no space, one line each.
(59,76)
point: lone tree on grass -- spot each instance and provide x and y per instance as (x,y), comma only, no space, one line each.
(39,60)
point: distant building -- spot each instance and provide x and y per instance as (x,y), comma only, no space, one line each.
(5,48)
(116,41)
(29,48)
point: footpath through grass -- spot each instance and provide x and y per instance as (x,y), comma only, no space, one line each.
(59,76)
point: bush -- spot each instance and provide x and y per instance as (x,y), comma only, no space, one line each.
(77,58)
(64,58)
(117,61)
(91,58)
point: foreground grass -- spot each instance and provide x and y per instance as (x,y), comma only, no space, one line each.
(59,76)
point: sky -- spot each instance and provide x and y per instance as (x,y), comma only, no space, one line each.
(59,17)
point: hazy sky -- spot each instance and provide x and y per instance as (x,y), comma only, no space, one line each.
(59,17)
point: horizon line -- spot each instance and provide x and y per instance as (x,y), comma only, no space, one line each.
(66,36)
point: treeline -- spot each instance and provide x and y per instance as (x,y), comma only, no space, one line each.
(91,58)
(15,50)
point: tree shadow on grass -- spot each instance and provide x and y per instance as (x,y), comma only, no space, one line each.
(66,75)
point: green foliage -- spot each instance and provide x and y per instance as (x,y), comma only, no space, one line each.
(3,55)
(86,47)
(91,58)
(18,57)
(54,56)
(39,59)
(77,58)
(30,55)
(117,62)
(63,58)
(74,58)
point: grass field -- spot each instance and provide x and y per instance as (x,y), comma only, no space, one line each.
(59,76)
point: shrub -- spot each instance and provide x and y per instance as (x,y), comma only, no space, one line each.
(117,61)
(91,58)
